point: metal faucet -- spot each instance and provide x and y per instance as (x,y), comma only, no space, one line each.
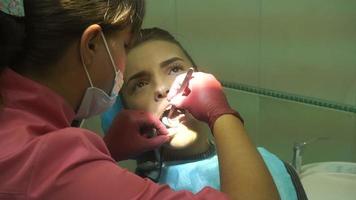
(298,151)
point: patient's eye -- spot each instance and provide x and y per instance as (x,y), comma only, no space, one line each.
(139,85)
(175,69)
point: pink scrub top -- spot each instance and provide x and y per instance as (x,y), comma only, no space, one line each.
(43,157)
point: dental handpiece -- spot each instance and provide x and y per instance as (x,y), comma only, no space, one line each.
(181,89)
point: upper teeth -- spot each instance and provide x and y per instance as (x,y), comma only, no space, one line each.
(168,107)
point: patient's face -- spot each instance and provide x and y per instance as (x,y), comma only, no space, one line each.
(151,69)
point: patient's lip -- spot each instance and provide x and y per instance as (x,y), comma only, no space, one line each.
(162,109)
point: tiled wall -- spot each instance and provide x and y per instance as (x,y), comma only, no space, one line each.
(306,47)
(278,124)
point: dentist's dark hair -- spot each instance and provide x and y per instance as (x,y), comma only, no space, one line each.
(12,34)
(50,26)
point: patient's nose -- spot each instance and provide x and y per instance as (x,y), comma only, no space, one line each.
(161,93)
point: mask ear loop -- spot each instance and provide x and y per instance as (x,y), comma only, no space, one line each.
(117,87)
(117,71)
(108,51)
(86,70)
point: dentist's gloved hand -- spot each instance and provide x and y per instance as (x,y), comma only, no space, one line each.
(203,98)
(129,134)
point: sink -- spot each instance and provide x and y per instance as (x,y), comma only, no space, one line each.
(329,180)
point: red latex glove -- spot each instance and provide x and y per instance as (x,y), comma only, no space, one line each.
(203,98)
(129,134)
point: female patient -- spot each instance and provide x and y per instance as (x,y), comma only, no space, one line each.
(189,161)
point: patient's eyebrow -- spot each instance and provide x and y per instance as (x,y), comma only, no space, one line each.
(169,61)
(138,75)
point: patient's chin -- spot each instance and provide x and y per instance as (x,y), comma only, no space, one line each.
(182,137)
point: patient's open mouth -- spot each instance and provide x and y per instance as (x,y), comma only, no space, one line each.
(174,120)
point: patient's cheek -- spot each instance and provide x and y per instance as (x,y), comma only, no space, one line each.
(182,137)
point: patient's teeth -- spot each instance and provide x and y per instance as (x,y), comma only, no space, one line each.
(168,107)
(169,122)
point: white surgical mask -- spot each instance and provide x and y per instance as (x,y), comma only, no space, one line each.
(96,100)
